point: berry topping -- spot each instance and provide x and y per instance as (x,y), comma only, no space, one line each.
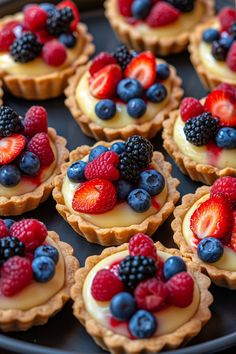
(151,294)
(123,189)
(180,288)
(162,14)
(105,285)
(142,245)
(118,147)
(225,186)
(156,93)
(7,37)
(36,121)
(47,251)
(29,163)
(48,7)
(219,50)
(210,35)
(104,166)
(43,269)
(182,5)
(26,48)
(100,61)
(129,88)
(190,107)
(9,176)
(9,121)
(172,266)
(8,223)
(227,17)
(162,71)
(233,233)
(68,39)
(105,109)
(210,250)
(125,7)
(54,53)
(9,247)
(136,108)
(123,306)
(3,229)
(75,172)
(151,181)
(40,146)
(35,17)
(227,88)
(143,324)
(96,151)
(10,147)
(140,8)
(226,138)
(231,57)
(139,200)
(59,21)
(104,83)
(73,7)
(123,55)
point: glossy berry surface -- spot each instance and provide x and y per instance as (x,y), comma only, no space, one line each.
(40,146)
(151,181)
(123,306)
(210,35)
(10,246)
(68,39)
(29,163)
(173,266)
(9,176)
(156,93)
(123,189)
(105,166)
(3,229)
(47,251)
(162,71)
(118,147)
(48,7)
(96,151)
(129,88)
(210,250)
(142,245)
(218,50)
(226,138)
(105,285)
(105,109)
(151,294)
(226,186)
(139,200)
(136,107)
(54,53)
(75,172)
(8,223)
(43,269)
(180,288)
(140,8)
(36,121)
(143,324)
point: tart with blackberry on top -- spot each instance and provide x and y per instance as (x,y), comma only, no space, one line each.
(160,26)
(41,47)
(121,94)
(110,191)
(30,157)
(141,297)
(201,136)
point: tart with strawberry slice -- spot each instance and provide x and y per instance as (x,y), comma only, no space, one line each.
(201,136)
(30,157)
(141,297)
(41,47)
(124,93)
(160,26)
(110,191)
(205,230)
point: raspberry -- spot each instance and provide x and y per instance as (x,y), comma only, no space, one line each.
(180,288)
(142,245)
(104,166)
(3,229)
(227,17)
(36,121)
(16,274)
(125,7)
(35,17)
(54,53)
(101,60)
(231,57)
(190,107)
(40,146)
(151,294)
(29,231)
(105,285)
(7,37)
(162,14)
(226,186)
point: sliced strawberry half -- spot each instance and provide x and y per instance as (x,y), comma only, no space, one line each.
(212,218)
(222,105)
(100,61)
(143,69)
(10,148)
(74,8)
(233,235)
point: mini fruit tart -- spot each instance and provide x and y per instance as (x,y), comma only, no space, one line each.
(141,297)
(37,272)
(201,136)
(205,230)
(30,157)
(111,191)
(41,47)
(213,49)
(160,26)
(121,94)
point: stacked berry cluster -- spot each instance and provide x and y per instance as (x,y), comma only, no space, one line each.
(24,144)
(128,77)
(46,30)
(24,255)
(215,121)
(121,173)
(141,285)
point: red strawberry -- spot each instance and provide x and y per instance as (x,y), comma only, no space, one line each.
(100,61)
(35,17)
(7,37)
(227,88)
(212,218)
(190,107)
(94,197)
(104,166)
(40,146)
(3,229)
(151,294)
(227,17)
(103,84)
(231,57)
(10,148)
(222,105)
(125,7)
(142,68)
(180,288)
(233,234)
(162,14)
(142,245)
(226,186)
(36,121)
(74,8)
(105,285)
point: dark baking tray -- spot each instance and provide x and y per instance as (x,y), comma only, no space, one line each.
(63,333)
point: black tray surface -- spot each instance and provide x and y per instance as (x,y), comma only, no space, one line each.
(63,333)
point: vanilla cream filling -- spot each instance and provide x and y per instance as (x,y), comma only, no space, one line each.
(168,319)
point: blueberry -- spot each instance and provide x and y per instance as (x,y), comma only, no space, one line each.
(218,51)
(43,269)
(9,175)
(123,189)
(136,107)
(226,42)
(151,181)
(68,39)
(226,138)
(95,152)
(49,8)
(141,8)
(118,147)
(162,71)
(29,163)
(105,109)
(128,89)
(210,35)
(75,172)
(172,266)
(47,251)
(9,222)
(139,200)
(143,324)
(156,93)
(210,250)
(123,306)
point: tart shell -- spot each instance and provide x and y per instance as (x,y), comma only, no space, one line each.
(115,235)
(116,343)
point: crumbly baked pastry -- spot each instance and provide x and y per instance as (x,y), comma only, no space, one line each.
(111,191)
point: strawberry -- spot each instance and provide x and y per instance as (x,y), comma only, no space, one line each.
(103,84)
(190,107)
(125,7)
(230,89)
(104,166)
(74,8)
(101,60)
(227,17)
(94,197)
(162,14)
(222,105)
(10,148)
(233,234)
(231,57)
(142,68)
(213,218)
(225,186)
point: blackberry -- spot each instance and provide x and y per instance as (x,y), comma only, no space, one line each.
(134,269)
(58,21)
(123,56)
(233,30)
(219,50)
(129,169)
(10,122)
(25,48)
(10,246)
(140,150)
(201,129)
(182,5)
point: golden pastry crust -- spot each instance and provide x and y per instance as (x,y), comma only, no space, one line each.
(115,235)
(19,320)
(197,172)
(116,343)
(18,205)
(50,85)
(161,46)
(220,277)
(148,129)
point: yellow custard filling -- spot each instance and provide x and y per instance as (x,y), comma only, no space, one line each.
(169,319)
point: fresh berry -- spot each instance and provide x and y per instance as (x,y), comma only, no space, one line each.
(226,138)
(218,50)
(40,146)
(129,88)
(123,55)
(25,48)
(151,181)
(118,147)
(125,7)
(227,17)
(48,7)
(172,266)
(151,294)
(100,61)
(75,172)
(180,288)
(141,8)
(74,8)
(68,40)
(226,42)
(29,163)
(36,121)
(54,53)
(10,147)
(190,107)
(226,186)
(139,200)
(210,35)
(143,324)
(162,14)
(156,93)
(123,189)
(9,176)
(43,269)
(104,83)
(129,169)
(59,21)
(228,89)
(35,17)
(123,306)
(233,233)
(105,285)
(47,251)
(16,274)
(43,36)
(182,5)
(105,109)
(96,151)
(3,229)
(7,37)
(162,71)
(9,247)
(104,166)
(8,223)
(136,107)
(210,250)
(30,231)
(10,121)
(140,149)
(142,245)
(94,197)
(231,57)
